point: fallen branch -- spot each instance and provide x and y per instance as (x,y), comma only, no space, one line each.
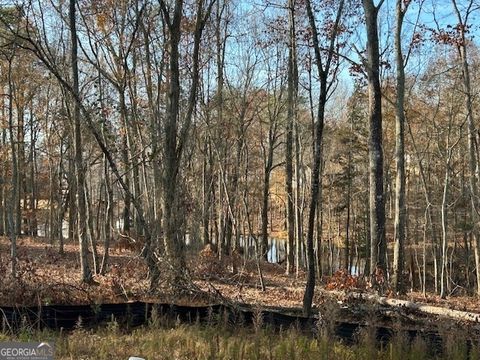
(410,305)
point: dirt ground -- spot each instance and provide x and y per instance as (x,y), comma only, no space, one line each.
(47,277)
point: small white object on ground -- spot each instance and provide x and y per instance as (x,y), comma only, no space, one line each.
(135,358)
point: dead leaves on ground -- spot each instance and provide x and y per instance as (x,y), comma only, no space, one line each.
(342,280)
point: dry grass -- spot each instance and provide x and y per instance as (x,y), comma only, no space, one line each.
(158,341)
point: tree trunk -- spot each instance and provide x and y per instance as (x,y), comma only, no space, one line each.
(174,139)
(400,212)
(72,191)
(59,200)
(266,192)
(3,178)
(107,219)
(472,138)
(323,71)
(13,199)
(156,212)
(207,190)
(377,199)
(20,145)
(33,223)
(86,274)
(291,111)
(299,245)
(125,158)
(444,214)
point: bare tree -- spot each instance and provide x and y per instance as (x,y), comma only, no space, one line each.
(462,47)
(378,245)
(324,67)
(398,255)
(175,139)
(79,166)
(292,90)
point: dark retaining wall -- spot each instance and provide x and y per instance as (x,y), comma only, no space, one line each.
(138,313)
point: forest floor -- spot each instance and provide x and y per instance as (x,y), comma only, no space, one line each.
(47,277)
